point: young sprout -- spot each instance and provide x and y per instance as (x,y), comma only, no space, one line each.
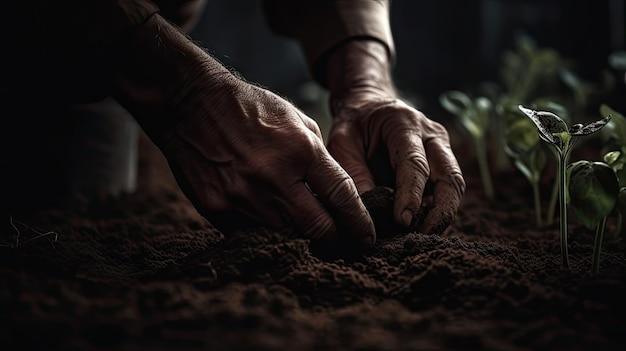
(522,145)
(617,161)
(614,135)
(593,189)
(617,60)
(561,111)
(530,71)
(474,117)
(553,130)
(614,138)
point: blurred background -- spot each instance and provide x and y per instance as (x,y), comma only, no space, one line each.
(441,44)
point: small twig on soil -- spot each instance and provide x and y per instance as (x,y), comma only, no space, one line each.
(18,234)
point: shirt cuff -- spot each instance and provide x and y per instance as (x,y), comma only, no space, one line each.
(321,26)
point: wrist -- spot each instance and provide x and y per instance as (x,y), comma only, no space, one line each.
(360,66)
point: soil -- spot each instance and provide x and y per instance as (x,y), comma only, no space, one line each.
(147,272)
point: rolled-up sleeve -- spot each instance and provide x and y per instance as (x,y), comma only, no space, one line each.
(321,25)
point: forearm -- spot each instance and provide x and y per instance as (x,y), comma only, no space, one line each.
(158,69)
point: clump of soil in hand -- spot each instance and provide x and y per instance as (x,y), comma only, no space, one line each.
(379,202)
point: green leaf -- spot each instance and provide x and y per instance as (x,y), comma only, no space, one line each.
(473,115)
(615,130)
(456,102)
(590,128)
(531,163)
(593,191)
(550,126)
(580,88)
(617,161)
(521,137)
(617,60)
(546,104)
(611,159)
(525,44)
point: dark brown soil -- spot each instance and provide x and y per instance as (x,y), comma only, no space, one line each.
(146,272)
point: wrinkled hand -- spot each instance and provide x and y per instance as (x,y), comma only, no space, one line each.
(380,140)
(386,142)
(252,151)
(233,146)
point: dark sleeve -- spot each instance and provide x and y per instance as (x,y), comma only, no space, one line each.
(321,25)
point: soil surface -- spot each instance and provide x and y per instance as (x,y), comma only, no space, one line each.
(146,272)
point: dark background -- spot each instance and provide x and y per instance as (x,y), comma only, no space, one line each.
(441,44)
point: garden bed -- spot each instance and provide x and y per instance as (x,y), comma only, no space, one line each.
(146,272)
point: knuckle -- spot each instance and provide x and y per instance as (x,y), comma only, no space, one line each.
(458,182)
(416,162)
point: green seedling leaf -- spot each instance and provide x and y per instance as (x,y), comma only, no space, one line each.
(531,163)
(526,44)
(547,104)
(456,102)
(580,88)
(615,130)
(551,127)
(521,137)
(617,161)
(593,190)
(582,130)
(612,157)
(617,60)
(473,115)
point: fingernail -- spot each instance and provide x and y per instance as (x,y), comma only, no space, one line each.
(407,218)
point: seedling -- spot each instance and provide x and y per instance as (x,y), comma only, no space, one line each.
(593,190)
(530,71)
(553,130)
(614,138)
(617,60)
(617,161)
(614,135)
(561,111)
(473,115)
(522,145)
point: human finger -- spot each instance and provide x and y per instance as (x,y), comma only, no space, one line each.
(307,215)
(339,195)
(408,160)
(449,185)
(345,148)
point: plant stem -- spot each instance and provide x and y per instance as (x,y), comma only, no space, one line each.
(555,189)
(537,198)
(563,210)
(597,246)
(481,154)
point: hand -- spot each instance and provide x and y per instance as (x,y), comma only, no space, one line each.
(233,146)
(256,153)
(380,140)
